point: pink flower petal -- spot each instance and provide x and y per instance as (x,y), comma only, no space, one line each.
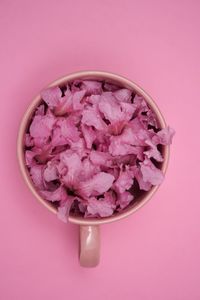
(123,95)
(153,151)
(110,87)
(97,185)
(119,148)
(124,199)
(89,135)
(29,142)
(126,143)
(93,99)
(79,147)
(65,105)
(29,157)
(64,209)
(51,96)
(57,137)
(99,207)
(110,107)
(36,173)
(42,126)
(91,117)
(145,186)
(73,163)
(124,181)
(91,87)
(58,195)
(76,100)
(100,158)
(50,172)
(150,173)
(40,111)
(129,159)
(164,136)
(140,105)
(88,170)
(127,111)
(43,153)
(68,129)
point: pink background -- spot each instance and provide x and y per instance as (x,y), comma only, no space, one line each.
(153,254)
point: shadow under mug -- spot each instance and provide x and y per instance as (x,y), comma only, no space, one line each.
(89,245)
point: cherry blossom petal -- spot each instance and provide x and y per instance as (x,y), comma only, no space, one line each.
(36,173)
(51,96)
(99,207)
(59,194)
(97,185)
(123,95)
(124,181)
(42,126)
(92,117)
(89,135)
(150,173)
(50,172)
(124,199)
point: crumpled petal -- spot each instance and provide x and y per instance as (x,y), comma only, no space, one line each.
(119,148)
(129,159)
(153,151)
(97,185)
(126,143)
(110,87)
(59,194)
(29,142)
(79,147)
(164,136)
(50,172)
(64,209)
(40,111)
(58,139)
(41,126)
(127,111)
(73,163)
(42,153)
(91,87)
(92,117)
(150,173)
(93,99)
(100,158)
(88,170)
(102,207)
(65,105)
(89,135)
(124,199)
(145,186)
(124,181)
(123,95)
(140,105)
(110,107)
(51,96)
(36,173)
(29,157)
(68,129)
(76,100)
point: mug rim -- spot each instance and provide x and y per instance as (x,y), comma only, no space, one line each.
(123,81)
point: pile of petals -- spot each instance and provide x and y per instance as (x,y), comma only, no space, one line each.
(90,144)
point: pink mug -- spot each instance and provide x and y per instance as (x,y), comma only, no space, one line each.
(89,252)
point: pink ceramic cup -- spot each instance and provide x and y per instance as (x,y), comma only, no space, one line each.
(89,248)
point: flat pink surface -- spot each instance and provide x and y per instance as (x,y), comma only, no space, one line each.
(154,254)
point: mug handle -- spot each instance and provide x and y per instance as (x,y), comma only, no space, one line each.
(89,245)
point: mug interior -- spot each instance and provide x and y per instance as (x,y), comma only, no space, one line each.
(120,81)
